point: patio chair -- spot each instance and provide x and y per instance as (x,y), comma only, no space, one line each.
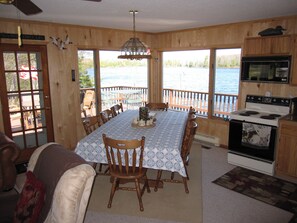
(125,158)
(157,106)
(116,109)
(88,102)
(185,152)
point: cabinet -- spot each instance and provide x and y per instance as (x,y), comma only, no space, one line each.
(286,160)
(294,61)
(268,45)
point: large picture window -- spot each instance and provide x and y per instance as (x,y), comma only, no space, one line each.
(186,79)
(122,81)
(187,82)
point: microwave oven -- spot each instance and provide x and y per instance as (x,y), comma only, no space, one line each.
(266,69)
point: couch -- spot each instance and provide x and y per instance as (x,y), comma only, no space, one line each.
(9,152)
(66,179)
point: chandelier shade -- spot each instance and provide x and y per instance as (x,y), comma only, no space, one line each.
(134,48)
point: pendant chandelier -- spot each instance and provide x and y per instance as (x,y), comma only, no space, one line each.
(134,49)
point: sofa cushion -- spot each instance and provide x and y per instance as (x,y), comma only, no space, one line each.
(31,200)
(52,163)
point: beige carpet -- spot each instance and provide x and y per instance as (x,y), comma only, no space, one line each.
(169,204)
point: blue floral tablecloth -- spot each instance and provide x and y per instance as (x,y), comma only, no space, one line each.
(162,142)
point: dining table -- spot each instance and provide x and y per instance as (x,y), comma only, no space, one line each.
(163,139)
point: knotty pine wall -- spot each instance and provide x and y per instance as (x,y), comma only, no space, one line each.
(224,36)
(68,128)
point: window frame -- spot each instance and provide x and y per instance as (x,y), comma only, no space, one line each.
(97,74)
(211,83)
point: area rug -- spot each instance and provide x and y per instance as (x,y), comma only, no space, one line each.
(271,190)
(168,205)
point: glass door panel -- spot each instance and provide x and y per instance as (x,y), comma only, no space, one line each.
(28,104)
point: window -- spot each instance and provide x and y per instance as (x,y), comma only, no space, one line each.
(186,79)
(122,81)
(87,84)
(226,83)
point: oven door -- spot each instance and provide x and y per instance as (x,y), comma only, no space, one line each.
(252,139)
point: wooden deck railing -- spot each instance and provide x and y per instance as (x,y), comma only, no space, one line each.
(134,97)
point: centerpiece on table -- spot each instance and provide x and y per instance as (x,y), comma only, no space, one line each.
(144,119)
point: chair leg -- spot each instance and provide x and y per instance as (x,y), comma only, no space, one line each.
(172,176)
(146,185)
(100,167)
(94,165)
(159,174)
(186,184)
(186,169)
(106,170)
(139,194)
(113,189)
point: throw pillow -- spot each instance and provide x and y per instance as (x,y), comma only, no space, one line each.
(31,200)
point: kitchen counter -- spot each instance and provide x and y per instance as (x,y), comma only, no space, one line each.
(289,118)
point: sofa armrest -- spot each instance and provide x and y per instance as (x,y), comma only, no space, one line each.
(9,152)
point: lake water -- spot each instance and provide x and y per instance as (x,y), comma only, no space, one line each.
(193,79)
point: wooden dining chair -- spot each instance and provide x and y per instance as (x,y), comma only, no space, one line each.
(117,109)
(125,159)
(157,106)
(192,111)
(106,115)
(91,124)
(185,152)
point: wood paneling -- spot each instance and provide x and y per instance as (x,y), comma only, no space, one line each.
(68,128)
(223,36)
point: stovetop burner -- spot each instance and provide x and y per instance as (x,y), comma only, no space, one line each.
(244,114)
(252,112)
(248,113)
(269,117)
(275,115)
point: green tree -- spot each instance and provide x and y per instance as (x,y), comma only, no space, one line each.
(83,64)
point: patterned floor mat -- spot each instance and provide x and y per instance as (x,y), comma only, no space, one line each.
(271,190)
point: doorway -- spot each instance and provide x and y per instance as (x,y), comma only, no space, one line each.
(25,96)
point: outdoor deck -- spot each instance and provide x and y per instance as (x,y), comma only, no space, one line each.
(134,97)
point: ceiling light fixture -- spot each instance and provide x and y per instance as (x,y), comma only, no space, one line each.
(134,49)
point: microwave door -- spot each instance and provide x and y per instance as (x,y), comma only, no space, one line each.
(259,71)
(266,69)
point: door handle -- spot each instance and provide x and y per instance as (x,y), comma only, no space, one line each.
(46,96)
